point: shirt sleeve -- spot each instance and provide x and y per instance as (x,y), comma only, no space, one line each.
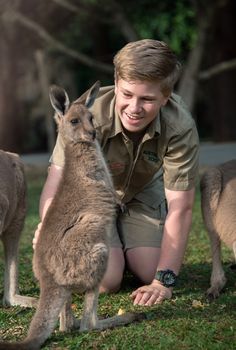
(58,157)
(181,161)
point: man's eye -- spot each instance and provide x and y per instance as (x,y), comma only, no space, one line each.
(74,121)
(148,99)
(126,94)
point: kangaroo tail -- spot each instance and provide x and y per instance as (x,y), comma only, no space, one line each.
(17,346)
(50,303)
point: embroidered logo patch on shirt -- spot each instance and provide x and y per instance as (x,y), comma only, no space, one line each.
(116,165)
(151,156)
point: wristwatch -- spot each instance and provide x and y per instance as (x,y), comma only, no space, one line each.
(167,277)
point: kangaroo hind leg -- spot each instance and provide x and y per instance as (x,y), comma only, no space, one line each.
(89,318)
(10,239)
(218,279)
(51,300)
(67,319)
(233,266)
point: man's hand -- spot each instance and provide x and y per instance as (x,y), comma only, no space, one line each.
(36,235)
(151,294)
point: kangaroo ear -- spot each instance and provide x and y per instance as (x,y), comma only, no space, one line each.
(59,100)
(92,94)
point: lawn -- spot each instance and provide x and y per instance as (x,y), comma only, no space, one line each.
(188,321)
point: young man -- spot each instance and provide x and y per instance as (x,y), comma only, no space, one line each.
(150,143)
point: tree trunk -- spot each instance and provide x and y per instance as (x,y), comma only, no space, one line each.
(44,82)
(217,94)
(10,109)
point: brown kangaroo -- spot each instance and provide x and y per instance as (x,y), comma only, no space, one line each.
(12,216)
(72,251)
(218,201)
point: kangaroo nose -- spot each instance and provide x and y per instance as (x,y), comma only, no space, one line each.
(93,134)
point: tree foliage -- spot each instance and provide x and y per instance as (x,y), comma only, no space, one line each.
(79,39)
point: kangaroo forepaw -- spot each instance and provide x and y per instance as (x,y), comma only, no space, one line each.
(122,208)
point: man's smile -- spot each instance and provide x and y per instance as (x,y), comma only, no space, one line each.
(133,117)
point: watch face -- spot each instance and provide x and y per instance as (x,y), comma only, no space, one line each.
(166,277)
(169,278)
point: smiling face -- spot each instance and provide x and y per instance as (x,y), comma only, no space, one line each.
(138,103)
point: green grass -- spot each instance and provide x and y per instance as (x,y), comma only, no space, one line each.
(177,323)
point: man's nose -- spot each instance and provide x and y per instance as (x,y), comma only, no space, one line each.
(135,106)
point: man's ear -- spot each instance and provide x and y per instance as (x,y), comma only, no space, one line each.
(165,99)
(116,87)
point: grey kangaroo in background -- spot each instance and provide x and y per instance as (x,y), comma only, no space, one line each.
(72,250)
(218,201)
(12,216)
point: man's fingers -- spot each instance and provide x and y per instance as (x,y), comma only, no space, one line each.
(151,301)
(142,289)
(36,235)
(159,300)
(163,296)
(138,299)
(141,299)
(146,296)
(149,295)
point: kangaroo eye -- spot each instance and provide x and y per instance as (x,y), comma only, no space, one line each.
(75,121)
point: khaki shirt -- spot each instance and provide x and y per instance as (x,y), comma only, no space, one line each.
(168,151)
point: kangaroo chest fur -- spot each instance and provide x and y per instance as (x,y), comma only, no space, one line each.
(74,238)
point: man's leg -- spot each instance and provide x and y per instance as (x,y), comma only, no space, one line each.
(141,232)
(114,273)
(142,262)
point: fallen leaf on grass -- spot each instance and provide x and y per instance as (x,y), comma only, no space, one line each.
(197,304)
(74,307)
(121,312)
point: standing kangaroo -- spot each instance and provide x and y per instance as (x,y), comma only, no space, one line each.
(12,216)
(218,201)
(72,250)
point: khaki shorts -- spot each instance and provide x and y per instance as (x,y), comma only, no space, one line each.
(140,226)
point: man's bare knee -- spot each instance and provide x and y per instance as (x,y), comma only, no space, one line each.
(113,277)
(142,262)
(109,288)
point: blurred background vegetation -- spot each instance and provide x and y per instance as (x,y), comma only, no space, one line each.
(72,43)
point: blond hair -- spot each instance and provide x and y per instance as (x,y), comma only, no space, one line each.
(150,60)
